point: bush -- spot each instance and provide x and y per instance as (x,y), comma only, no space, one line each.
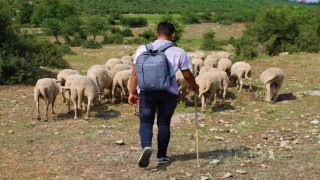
(208,41)
(134,21)
(148,35)
(126,32)
(113,39)
(91,44)
(189,18)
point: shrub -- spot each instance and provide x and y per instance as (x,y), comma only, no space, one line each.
(134,21)
(208,41)
(136,40)
(91,44)
(189,18)
(126,32)
(113,39)
(148,35)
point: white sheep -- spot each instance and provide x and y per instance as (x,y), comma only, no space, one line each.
(83,89)
(224,80)
(103,78)
(48,89)
(196,65)
(120,79)
(209,84)
(212,60)
(223,54)
(225,64)
(127,60)
(241,70)
(112,62)
(205,69)
(120,67)
(67,86)
(183,85)
(98,66)
(199,55)
(62,76)
(135,108)
(272,79)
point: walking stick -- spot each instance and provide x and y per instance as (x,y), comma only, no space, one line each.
(197,127)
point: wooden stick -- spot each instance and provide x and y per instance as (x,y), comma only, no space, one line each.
(197,127)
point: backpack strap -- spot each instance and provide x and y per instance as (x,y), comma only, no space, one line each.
(164,47)
(149,47)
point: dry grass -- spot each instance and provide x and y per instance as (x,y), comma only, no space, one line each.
(64,148)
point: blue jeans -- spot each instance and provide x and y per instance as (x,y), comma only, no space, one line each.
(149,102)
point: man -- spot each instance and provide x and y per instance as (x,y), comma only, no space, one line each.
(162,101)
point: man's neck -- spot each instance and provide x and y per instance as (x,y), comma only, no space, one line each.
(164,38)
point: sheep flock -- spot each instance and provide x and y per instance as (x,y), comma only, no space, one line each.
(214,73)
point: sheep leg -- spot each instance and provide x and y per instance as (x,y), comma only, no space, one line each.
(38,109)
(63,96)
(241,84)
(113,89)
(268,92)
(224,94)
(52,106)
(88,109)
(75,103)
(203,104)
(46,113)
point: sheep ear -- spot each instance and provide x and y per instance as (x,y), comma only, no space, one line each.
(58,81)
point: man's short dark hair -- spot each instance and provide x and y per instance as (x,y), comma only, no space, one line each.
(166,28)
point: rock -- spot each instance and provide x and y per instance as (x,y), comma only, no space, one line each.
(233,131)
(205,177)
(250,136)
(314,122)
(213,129)
(57,133)
(312,93)
(284,54)
(288,148)
(296,141)
(51,153)
(76,147)
(135,148)
(105,127)
(214,162)
(263,166)
(188,174)
(242,164)
(219,138)
(307,136)
(283,143)
(10,132)
(101,132)
(201,125)
(120,142)
(256,110)
(241,171)
(227,175)
(14,101)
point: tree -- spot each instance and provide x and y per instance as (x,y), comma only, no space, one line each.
(208,41)
(179,27)
(95,26)
(72,25)
(52,26)
(25,13)
(189,18)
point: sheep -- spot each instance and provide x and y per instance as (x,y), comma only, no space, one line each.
(103,78)
(241,70)
(212,60)
(183,85)
(225,64)
(127,60)
(98,66)
(135,108)
(121,78)
(199,55)
(48,89)
(120,67)
(112,62)
(196,65)
(223,79)
(83,88)
(67,86)
(63,74)
(209,84)
(272,79)
(223,54)
(205,69)
(61,79)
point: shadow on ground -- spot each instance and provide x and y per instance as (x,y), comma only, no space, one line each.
(221,154)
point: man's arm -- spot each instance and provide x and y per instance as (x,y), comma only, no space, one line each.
(133,94)
(188,76)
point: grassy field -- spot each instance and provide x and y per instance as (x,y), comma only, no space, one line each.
(267,141)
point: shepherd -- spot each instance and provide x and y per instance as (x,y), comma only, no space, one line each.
(153,86)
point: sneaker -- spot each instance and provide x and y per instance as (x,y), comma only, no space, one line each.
(163,160)
(145,157)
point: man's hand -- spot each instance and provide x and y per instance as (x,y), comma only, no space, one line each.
(195,88)
(133,99)
(188,76)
